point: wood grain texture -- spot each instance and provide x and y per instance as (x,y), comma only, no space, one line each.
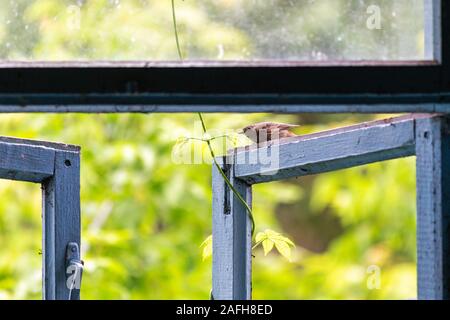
(61,223)
(231,239)
(329,151)
(35,143)
(433,208)
(23,162)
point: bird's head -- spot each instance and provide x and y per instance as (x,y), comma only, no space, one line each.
(250,128)
(247,129)
(251,132)
(265,131)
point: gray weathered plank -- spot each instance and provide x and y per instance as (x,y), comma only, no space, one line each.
(328,151)
(25,162)
(35,143)
(61,223)
(433,207)
(231,239)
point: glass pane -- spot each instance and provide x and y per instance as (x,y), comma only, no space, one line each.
(305,30)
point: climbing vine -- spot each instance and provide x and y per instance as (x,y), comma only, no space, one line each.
(269,238)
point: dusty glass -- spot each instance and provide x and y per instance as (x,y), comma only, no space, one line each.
(302,30)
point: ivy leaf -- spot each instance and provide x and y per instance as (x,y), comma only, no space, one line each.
(267,246)
(270,238)
(207,248)
(284,249)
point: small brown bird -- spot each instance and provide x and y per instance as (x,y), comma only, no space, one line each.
(268,131)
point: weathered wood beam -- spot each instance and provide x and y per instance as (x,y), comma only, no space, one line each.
(61,224)
(328,151)
(232,239)
(433,208)
(352,104)
(25,162)
(425,135)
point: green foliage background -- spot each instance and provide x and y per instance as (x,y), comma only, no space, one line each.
(144,216)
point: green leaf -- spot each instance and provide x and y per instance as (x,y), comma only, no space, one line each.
(267,246)
(284,249)
(207,248)
(261,236)
(270,238)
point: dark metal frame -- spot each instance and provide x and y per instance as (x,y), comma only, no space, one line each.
(270,86)
(57,168)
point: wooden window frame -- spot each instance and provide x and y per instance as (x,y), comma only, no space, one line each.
(265,86)
(57,168)
(425,136)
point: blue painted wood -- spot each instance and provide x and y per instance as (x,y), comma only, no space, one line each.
(238,103)
(433,207)
(328,151)
(224,108)
(222,228)
(61,223)
(48,241)
(35,143)
(231,239)
(25,162)
(57,167)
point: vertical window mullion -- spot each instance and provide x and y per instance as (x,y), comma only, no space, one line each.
(61,216)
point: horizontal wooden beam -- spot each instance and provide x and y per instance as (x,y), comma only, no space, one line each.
(25,162)
(224,103)
(224,108)
(52,145)
(328,151)
(61,224)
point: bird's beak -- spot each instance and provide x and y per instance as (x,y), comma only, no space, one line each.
(240,131)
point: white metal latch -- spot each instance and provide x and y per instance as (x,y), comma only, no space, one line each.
(74,270)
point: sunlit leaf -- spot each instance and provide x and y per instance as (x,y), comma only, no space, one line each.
(284,249)
(260,236)
(207,248)
(267,246)
(270,238)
